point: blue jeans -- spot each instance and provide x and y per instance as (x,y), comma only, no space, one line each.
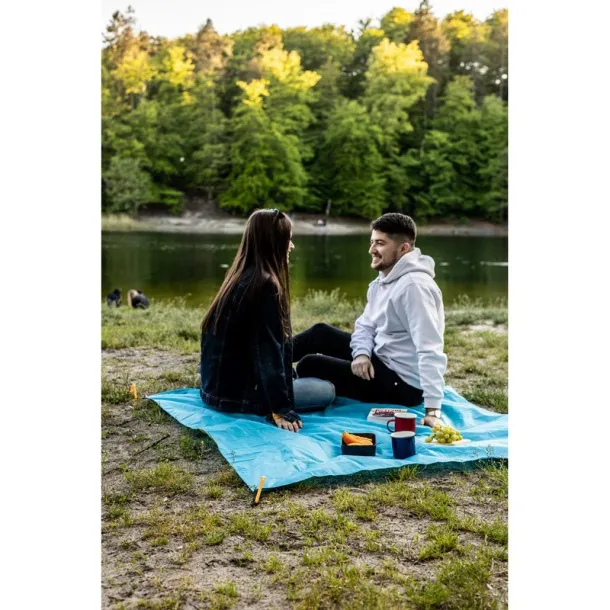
(312,394)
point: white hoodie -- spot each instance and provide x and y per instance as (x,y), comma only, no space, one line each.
(403,323)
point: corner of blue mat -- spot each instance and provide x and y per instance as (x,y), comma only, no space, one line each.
(255,448)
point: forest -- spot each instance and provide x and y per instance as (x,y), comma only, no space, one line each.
(407,113)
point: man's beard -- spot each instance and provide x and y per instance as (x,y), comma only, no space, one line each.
(382,264)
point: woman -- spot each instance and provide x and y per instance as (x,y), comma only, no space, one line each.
(137,299)
(246,335)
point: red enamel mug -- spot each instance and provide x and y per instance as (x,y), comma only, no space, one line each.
(404,422)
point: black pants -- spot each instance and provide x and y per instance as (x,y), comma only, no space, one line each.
(324,351)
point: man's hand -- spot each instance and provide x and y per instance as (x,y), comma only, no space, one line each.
(363,367)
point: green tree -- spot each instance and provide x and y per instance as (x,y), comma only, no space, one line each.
(206,153)
(319,45)
(261,116)
(353,81)
(449,161)
(426,30)
(290,89)
(211,51)
(493,154)
(127,185)
(396,24)
(396,80)
(352,176)
(178,67)
(244,63)
(119,37)
(432,191)
(266,165)
(468,38)
(496,55)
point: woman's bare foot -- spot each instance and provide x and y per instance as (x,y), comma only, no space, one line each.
(280,422)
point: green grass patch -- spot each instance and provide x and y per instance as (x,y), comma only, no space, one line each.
(460,583)
(166,325)
(493,484)
(346,586)
(371,541)
(496,531)
(213,492)
(358,504)
(273,564)
(115,393)
(421,500)
(224,596)
(164,477)
(324,556)
(496,400)
(248,525)
(226,478)
(466,311)
(228,589)
(117,511)
(441,539)
(329,307)
(195,527)
(324,526)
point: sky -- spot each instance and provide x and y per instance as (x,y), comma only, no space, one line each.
(178,17)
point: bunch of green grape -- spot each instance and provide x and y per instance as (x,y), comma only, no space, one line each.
(444,435)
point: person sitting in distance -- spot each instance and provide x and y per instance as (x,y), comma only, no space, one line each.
(137,299)
(114,298)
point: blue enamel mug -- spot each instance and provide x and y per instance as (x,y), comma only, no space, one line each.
(403,444)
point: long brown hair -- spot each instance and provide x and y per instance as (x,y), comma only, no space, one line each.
(263,248)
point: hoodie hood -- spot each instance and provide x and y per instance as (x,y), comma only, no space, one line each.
(409,263)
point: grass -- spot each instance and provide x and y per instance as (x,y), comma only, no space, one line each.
(170,324)
(194,445)
(246,524)
(460,583)
(115,393)
(441,540)
(496,400)
(407,538)
(324,556)
(164,477)
(224,596)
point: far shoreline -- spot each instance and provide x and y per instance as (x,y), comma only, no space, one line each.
(303,224)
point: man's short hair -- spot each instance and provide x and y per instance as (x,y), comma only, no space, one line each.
(398,227)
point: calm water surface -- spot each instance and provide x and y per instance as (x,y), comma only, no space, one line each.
(169,265)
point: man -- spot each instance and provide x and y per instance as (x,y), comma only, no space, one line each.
(114,298)
(395,354)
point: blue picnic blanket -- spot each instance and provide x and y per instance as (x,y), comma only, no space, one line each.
(255,448)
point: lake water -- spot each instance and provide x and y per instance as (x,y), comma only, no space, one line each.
(168,265)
